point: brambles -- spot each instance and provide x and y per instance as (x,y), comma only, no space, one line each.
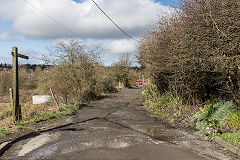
(192,57)
(195,52)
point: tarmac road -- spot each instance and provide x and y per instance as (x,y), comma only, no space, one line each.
(115,128)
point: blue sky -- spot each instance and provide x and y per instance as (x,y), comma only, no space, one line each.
(32,32)
(168,3)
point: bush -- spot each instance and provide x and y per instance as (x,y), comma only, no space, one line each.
(27,80)
(76,76)
(121,71)
(195,51)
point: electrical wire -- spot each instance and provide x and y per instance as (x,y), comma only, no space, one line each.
(124,32)
(55,21)
(72,32)
(41,59)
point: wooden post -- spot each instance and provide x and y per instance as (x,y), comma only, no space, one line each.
(17,107)
(12,103)
(15,83)
(54,98)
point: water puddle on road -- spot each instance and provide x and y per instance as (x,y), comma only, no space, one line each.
(161,134)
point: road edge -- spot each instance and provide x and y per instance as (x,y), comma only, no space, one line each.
(222,143)
(228,146)
(4,146)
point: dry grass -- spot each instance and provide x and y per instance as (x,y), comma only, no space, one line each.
(30,114)
(24,96)
(6,122)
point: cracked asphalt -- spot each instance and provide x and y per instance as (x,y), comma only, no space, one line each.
(115,128)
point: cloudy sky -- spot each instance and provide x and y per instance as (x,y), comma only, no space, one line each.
(32,25)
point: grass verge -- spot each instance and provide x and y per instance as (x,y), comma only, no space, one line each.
(215,117)
(32,115)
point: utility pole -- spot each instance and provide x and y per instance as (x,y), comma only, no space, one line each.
(17,107)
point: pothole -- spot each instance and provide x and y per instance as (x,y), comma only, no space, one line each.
(160,133)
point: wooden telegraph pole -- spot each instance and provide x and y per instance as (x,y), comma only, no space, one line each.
(17,107)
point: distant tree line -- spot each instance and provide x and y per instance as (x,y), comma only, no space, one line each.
(28,67)
(5,65)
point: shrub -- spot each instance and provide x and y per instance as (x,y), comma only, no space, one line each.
(121,70)
(224,110)
(77,76)
(27,80)
(195,51)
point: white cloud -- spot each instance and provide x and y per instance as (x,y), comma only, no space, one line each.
(110,50)
(6,36)
(82,18)
(116,48)
(120,46)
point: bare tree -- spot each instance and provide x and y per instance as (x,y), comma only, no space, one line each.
(75,75)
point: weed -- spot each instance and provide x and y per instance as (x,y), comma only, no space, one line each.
(233,122)
(233,138)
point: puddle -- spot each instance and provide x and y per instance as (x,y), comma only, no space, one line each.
(159,133)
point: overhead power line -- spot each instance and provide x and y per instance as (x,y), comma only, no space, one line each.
(124,32)
(52,19)
(72,32)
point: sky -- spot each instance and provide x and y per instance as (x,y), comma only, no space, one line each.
(33,25)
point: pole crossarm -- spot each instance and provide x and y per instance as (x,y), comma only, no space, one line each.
(21,56)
